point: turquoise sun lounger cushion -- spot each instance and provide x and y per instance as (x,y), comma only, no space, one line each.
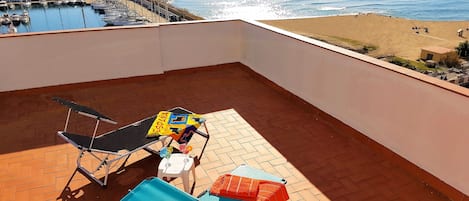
(157,189)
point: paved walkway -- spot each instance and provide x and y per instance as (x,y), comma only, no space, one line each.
(142,11)
(249,121)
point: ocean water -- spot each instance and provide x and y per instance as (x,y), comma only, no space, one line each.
(437,10)
(66,17)
(61,17)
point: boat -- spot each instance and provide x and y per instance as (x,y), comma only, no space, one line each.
(26,4)
(72,2)
(81,2)
(58,2)
(24,18)
(3,5)
(11,6)
(12,29)
(99,6)
(43,2)
(125,20)
(15,19)
(6,19)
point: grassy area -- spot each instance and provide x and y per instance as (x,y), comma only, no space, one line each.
(419,66)
(365,48)
(357,45)
(354,42)
(347,43)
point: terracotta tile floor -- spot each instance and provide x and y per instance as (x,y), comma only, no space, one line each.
(249,122)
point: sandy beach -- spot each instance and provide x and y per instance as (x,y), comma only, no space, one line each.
(391,35)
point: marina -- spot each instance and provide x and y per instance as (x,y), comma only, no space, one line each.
(38,17)
(22,16)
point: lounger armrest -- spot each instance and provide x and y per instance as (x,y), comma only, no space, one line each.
(84,110)
(203,134)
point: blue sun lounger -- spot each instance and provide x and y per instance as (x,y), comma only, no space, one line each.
(156,189)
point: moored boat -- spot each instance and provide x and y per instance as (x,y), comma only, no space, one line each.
(81,2)
(58,2)
(6,19)
(24,18)
(11,6)
(43,2)
(3,5)
(12,29)
(26,3)
(15,19)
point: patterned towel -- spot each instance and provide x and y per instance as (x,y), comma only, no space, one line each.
(248,189)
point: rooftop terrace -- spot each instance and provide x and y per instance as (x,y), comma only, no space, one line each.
(250,121)
(336,124)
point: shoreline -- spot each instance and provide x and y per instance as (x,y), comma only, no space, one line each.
(355,14)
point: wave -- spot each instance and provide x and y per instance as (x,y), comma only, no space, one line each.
(326,8)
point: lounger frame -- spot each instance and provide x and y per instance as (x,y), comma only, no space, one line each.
(107,157)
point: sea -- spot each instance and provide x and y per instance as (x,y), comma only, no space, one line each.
(434,10)
(67,17)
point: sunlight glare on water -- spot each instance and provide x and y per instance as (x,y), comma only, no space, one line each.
(261,11)
(229,9)
(266,9)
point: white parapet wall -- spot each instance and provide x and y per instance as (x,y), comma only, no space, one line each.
(64,57)
(55,58)
(422,119)
(203,43)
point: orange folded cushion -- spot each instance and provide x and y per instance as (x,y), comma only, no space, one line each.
(236,186)
(244,188)
(269,190)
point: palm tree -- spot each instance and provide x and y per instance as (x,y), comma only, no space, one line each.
(463,49)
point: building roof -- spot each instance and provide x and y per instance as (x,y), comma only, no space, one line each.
(437,49)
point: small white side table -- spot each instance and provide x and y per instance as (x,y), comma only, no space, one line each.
(178,165)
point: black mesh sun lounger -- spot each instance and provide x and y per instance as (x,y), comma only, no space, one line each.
(114,145)
(128,138)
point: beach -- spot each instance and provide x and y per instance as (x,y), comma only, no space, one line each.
(389,35)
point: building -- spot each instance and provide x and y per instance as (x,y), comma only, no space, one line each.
(437,54)
(336,124)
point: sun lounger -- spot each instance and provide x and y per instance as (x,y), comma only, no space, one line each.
(154,187)
(114,145)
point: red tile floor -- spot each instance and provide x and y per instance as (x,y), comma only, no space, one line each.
(249,120)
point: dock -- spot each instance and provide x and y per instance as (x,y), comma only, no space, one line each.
(155,11)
